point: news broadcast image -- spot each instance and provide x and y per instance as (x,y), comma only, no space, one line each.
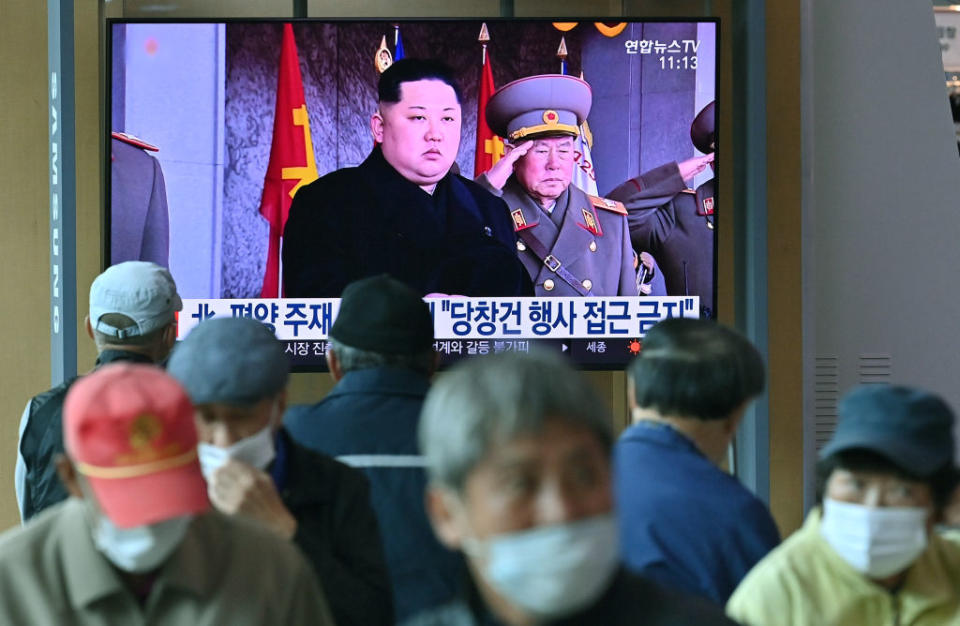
(203,172)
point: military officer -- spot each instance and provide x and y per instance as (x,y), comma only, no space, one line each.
(139,223)
(571,243)
(675,223)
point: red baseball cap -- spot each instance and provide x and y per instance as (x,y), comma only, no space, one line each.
(129,429)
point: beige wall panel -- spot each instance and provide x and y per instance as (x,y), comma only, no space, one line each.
(24,274)
(784,264)
(391,8)
(308,388)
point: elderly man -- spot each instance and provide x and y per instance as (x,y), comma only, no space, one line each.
(235,371)
(517,450)
(132,318)
(381,355)
(137,544)
(674,223)
(571,243)
(685,522)
(402,211)
(868,554)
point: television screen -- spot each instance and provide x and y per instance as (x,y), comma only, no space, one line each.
(539,182)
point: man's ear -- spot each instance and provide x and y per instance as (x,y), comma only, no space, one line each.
(443,517)
(88,326)
(68,475)
(170,335)
(376,126)
(333,364)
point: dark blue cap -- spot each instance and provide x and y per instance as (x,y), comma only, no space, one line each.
(230,360)
(911,428)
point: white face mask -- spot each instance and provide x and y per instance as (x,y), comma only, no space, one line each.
(142,548)
(257,450)
(878,542)
(551,571)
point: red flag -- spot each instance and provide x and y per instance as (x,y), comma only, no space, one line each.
(489,146)
(292,161)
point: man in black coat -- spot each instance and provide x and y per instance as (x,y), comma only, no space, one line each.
(401,211)
(235,372)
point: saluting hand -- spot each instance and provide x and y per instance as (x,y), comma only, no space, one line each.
(241,489)
(502,169)
(692,167)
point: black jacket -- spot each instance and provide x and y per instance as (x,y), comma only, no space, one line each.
(42,440)
(336,530)
(372,415)
(628,601)
(368,220)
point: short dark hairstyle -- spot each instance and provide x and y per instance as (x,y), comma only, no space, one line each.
(696,368)
(410,70)
(942,482)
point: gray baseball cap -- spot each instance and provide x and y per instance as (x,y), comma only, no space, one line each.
(143,291)
(910,427)
(539,106)
(230,360)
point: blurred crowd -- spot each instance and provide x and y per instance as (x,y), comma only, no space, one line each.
(174,484)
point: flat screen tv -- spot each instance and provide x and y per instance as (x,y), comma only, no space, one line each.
(218,126)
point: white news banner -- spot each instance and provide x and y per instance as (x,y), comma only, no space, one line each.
(464,318)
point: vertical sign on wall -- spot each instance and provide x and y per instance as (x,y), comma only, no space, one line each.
(63,287)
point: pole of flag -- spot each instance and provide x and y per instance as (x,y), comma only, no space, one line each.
(397,43)
(562,55)
(489,147)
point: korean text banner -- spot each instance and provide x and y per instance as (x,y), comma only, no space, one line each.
(464,318)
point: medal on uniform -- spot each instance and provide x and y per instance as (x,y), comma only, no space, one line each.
(519,221)
(707,206)
(590,223)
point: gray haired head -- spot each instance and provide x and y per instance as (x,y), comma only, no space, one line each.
(491,400)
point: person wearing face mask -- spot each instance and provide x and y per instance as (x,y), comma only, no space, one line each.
(235,371)
(137,543)
(132,318)
(517,449)
(685,522)
(869,554)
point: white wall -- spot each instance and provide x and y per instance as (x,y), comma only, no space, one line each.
(881,199)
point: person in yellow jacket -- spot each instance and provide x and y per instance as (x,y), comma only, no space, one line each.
(869,554)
